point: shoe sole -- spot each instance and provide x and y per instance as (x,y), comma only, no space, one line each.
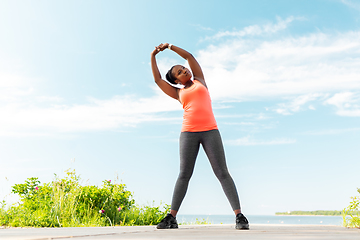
(243,227)
(169,227)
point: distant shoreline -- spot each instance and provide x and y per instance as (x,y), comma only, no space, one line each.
(311,213)
(316,213)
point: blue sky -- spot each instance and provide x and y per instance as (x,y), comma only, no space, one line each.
(76,91)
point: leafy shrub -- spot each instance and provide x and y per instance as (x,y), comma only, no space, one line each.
(201,221)
(65,203)
(351,214)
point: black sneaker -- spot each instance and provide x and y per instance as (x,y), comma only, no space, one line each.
(168,222)
(241,222)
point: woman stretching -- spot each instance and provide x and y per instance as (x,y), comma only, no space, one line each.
(199,127)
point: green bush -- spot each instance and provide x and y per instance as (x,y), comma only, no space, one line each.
(351,214)
(65,203)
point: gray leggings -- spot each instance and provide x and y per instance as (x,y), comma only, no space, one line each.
(189,148)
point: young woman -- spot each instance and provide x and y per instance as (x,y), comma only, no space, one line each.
(199,127)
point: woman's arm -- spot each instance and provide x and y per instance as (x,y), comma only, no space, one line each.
(194,65)
(164,86)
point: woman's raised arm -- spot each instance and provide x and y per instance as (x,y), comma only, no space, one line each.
(164,86)
(194,65)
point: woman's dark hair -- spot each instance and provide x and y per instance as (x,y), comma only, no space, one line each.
(170,77)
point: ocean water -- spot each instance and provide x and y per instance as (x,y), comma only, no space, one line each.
(263,219)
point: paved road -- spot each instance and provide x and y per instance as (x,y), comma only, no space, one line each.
(213,231)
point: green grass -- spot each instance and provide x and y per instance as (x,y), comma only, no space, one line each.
(66,203)
(197,222)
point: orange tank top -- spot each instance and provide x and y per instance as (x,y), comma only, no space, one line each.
(198,114)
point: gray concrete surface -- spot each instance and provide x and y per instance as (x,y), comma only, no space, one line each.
(212,231)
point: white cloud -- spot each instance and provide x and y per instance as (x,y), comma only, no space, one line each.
(257,70)
(252,116)
(347,103)
(340,99)
(298,103)
(311,107)
(332,131)
(247,141)
(202,28)
(240,123)
(96,115)
(49,99)
(13,87)
(255,30)
(352,4)
(25,112)
(303,70)
(8,80)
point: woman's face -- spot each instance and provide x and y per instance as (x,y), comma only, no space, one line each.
(182,74)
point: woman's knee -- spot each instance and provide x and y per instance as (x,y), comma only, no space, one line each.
(222,174)
(185,175)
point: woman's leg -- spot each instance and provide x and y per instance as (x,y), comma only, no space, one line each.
(212,144)
(189,148)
